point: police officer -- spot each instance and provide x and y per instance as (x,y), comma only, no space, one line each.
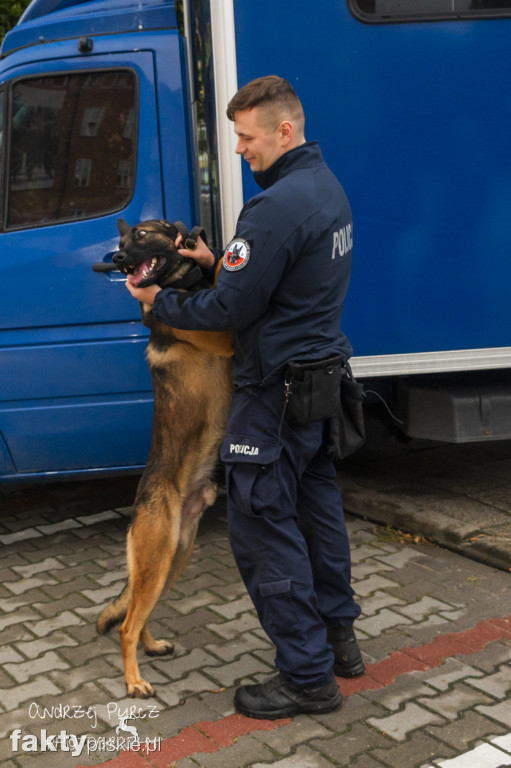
(280,291)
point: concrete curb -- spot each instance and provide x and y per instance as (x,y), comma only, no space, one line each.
(457,496)
(490,547)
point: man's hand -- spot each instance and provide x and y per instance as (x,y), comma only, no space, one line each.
(146,295)
(201,253)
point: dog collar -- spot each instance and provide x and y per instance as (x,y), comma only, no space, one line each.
(190,279)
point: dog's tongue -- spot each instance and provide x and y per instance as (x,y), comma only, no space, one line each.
(141,272)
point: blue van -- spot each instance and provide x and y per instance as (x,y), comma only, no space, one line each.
(113,108)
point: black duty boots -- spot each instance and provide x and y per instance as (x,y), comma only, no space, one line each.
(279,697)
(348,661)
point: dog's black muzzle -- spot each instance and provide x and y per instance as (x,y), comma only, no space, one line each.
(123,262)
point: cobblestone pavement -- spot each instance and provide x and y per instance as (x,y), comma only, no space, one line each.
(435,632)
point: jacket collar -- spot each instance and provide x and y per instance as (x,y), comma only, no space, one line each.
(299,157)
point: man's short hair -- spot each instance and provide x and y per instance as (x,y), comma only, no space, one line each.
(276,98)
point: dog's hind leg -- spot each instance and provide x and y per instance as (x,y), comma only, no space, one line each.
(181,559)
(114,613)
(191,513)
(151,546)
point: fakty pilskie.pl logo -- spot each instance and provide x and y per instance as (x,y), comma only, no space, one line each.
(127,721)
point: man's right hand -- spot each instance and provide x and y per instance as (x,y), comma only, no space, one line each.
(201,253)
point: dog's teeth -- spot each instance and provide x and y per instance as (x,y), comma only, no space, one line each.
(153,262)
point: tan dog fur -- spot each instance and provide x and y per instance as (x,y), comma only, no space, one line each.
(191,375)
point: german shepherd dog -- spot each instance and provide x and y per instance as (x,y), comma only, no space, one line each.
(191,376)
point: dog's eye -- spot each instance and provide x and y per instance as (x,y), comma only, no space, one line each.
(141,233)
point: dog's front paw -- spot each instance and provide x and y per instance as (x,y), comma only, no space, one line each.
(160,648)
(140,689)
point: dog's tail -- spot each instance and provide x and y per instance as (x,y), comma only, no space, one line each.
(114,613)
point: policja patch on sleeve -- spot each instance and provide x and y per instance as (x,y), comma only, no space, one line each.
(236,255)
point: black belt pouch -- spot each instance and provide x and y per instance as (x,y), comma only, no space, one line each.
(346,428)
(313,389)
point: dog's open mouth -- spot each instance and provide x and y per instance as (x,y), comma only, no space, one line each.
(147,272)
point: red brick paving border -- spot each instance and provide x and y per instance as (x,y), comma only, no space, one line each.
(211,736)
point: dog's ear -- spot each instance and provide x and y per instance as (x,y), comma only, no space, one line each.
(123,226)
(172,231)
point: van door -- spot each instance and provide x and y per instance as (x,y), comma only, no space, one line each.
(83,149)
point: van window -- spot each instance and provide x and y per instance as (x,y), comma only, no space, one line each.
(418,10)
(72,147)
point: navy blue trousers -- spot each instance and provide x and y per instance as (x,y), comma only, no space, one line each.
(287,531)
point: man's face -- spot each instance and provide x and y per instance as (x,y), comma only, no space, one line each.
(259,144)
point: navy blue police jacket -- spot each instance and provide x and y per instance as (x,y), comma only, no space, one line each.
(284,276)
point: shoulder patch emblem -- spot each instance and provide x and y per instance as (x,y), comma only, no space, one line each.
(236,255)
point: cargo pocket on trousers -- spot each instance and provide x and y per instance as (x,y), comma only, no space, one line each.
(279,610)
(252,474)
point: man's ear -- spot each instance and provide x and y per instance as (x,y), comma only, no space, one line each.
(286,133)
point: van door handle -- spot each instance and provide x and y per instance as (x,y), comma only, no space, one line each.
(103,266)
(107,265)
